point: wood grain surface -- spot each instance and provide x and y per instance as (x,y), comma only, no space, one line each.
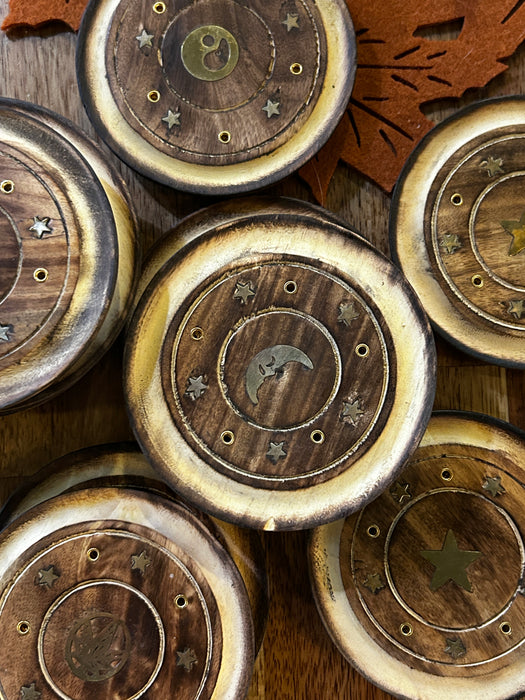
(298,660)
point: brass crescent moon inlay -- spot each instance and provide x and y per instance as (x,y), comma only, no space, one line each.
(270,362)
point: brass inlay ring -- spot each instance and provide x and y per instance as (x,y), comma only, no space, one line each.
(23,627)
(197,333)
(296,68)
(477,281)
(225,137)
(506,628)
(159,8)
(206,40)
(456,199)
(317,436)
(373,531)
(228,437)
(40,274)
(447,474)
(7,186)
(362,350)
(290,287)
(406,629)
(93,554)
(181,601)
(153,96)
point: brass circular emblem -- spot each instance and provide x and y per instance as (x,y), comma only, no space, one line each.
(98,646)
(210,53)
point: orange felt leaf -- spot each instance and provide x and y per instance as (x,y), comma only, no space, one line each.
(36,13)
(399,68)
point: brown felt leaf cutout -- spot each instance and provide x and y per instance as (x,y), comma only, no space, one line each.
(400,68)
(36,13)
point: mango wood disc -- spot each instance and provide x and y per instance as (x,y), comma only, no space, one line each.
(458,228)
(58,258)
(423,589)
(278,387)
(120,595)
(123,465)
(186,92)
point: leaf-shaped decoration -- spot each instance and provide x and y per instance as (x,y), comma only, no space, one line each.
(400,68)
(36,13)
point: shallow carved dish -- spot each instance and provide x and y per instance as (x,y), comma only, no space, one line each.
(278,370)
(111,593)
(123,465)
(68,254)
(458,228)
(216,96)
(423,589)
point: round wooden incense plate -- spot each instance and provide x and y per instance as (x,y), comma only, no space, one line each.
(116,593)
(423,589)
(458,228)
(216,96)
(279,371)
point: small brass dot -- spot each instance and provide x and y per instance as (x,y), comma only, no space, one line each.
(406,629)
(477,281)
(290,287)
(228,437)
(317,436)
(181,601)
(506,628)
(456,199)
(362,350)
(40,274)
(197,333)
(159,8)
(7,186)
(296,68)
(447,475)
(153,95)
(93,554)
(225,137)
(23,627)
(373,531)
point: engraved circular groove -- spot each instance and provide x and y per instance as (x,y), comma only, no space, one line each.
(225,137)
(153,96)
(40,274)
(317,436)
(506,628)
(456,199)
(181,601)
(477,281)
(93,554)
(197,333)
(290,287)
(296,68)
(362,350)
(23,627)
(228,437)
(373,531)
(7,186)
(406,629)
(159,8)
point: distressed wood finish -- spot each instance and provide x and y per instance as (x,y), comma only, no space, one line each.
(187,92)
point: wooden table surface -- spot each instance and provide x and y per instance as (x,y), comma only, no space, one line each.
(298,659)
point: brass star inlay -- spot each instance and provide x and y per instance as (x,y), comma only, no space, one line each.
(516,308)
(351,412)
(5,332)
(450,242)
(172,119)
(517,230)
(187,659)
(400,492)
(347,313)
(144,39)
(47,577)
(450,563)
(243,291)
(492,484)
(276,451)
(492,166)
(271,108)
(140,562)
(455,648)
(374,583)
(29,692)
(291,22)
(41,226)
(196,387)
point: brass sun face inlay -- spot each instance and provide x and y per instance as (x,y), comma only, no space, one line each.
(450,563)
(210,53)
(516,229)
